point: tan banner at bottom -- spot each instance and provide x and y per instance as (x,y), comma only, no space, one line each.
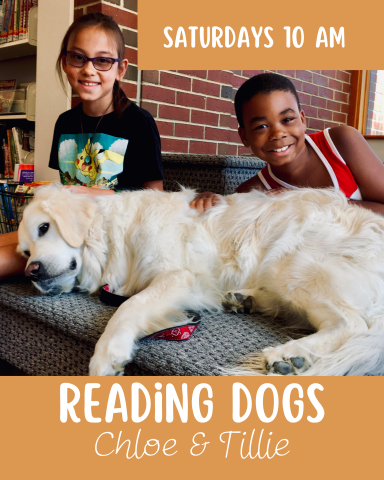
(184,427)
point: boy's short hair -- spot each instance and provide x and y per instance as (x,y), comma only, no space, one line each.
(263,83)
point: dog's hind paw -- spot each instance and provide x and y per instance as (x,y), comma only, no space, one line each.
(286,360)
(238,303)
(294,366)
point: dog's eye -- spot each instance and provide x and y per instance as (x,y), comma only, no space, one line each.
(43,229)
(27,253)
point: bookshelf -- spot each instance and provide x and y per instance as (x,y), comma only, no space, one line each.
(25,47)
(33,60)
(21,48)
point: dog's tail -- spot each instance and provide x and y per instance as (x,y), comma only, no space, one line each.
(362,354)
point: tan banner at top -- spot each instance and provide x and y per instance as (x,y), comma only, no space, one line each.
(226,34)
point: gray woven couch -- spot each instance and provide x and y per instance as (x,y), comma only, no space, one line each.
(56,335)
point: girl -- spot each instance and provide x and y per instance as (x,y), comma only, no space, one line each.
(273,124)
(106,141)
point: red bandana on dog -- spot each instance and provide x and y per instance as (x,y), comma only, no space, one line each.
(178,333)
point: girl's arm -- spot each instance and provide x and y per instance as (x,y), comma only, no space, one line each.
(96,191)
(91,191)
(11,263)
(366,167)
(154,185)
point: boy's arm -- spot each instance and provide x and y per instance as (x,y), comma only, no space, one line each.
(204,201)
(366,167)
(374,206)
(251,184)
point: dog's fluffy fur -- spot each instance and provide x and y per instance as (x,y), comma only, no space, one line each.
(305,253)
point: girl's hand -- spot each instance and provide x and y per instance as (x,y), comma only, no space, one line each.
(204,201)
(92,192)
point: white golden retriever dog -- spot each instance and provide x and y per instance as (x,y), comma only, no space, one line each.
(303,253)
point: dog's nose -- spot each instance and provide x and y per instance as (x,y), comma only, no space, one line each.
(33,270)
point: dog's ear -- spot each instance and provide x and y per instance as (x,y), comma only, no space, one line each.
(73,214)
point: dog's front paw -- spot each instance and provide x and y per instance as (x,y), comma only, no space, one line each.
(111,355)
(286,359)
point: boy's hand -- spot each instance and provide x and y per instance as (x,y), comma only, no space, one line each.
(204,201)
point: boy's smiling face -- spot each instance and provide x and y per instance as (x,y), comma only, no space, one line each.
(274,127)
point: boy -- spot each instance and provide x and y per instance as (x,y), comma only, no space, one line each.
(273,124)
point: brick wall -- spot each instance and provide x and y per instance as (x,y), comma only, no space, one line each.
(195,114)
(194,109)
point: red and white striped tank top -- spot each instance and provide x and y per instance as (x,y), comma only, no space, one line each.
(338,170)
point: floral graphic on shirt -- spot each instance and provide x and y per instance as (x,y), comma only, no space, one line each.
(87,160)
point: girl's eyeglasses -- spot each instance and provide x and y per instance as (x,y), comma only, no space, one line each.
(102,64)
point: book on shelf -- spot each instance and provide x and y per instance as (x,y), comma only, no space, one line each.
(14,16)
(12,22)
(15,21)
(13,200)
(24,173)
(2,7)
(12,148)
(7,94)
(22,19)
(8,172)
(16,148)
(3,141)
(5,22)
(19,137)
(6,204)
(8,158)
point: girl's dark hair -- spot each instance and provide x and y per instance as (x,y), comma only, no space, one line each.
(263,83)
(106,23)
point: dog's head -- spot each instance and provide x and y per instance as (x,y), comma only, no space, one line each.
(52,234)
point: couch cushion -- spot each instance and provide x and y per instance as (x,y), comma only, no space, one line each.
(215,173)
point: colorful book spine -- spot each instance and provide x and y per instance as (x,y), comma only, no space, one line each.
(6,203)
(28,6)
(7,162)
(11,21)
(22,19)
(2,153)
(6,19)
(15,156)
(24,173)
(16,21)
(11,158)
(17,135)
(2,11)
